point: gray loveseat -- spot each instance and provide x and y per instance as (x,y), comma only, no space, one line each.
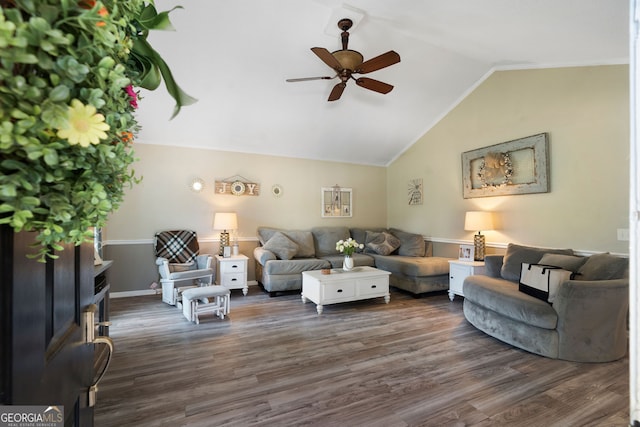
(587,321)
(284,254)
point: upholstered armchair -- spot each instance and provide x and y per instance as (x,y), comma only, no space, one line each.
(179,263)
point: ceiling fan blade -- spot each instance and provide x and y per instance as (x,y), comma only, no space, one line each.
(374,85)
(336,92)
(327,58)
(379,62)
(305,79)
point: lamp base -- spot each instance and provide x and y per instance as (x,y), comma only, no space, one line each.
(224,241)
(478,243)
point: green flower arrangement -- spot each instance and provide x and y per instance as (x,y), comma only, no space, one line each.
(68,73)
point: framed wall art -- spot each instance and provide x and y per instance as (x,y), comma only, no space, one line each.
(520,166)
(415,191)
(336,202)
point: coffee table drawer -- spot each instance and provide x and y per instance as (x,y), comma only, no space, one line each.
(373,286)
(338,291)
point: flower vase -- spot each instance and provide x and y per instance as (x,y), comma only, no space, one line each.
(347,265)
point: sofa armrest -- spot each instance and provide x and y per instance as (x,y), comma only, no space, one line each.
(493,265)
(592,318)
(263,255)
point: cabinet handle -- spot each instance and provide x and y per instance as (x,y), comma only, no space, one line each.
(339,290)
(234,279)
(234,266)
(373,286)
(451,277)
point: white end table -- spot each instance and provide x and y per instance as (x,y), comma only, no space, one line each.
(232,272)
(458,271)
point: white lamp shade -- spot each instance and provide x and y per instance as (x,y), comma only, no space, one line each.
(478,221)
(225,221)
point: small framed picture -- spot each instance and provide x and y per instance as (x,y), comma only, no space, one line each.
(226,252)
(466,253)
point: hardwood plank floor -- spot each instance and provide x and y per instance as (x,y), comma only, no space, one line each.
(275,362)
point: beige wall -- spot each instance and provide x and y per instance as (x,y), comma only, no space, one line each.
(163,199)
(585,112)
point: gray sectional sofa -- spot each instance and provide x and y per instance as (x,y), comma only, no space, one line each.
(284,254)
(587,321)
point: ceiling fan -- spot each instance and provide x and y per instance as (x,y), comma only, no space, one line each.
(347,62)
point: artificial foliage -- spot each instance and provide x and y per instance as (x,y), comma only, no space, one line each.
(70,72)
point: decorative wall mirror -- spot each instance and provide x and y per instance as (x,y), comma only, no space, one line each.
(336,202)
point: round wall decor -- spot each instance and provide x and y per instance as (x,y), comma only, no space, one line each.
(238,188)
(276,190)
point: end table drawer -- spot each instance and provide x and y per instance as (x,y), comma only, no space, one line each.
(233,279)
(374,285)
(338,291)
(232,267)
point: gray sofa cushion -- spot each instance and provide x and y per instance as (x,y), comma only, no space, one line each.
(325,239)
(281,245)
(411,244)
(382,243)
(304,240)
(294,266)
(358,260)
(413,266)
(504,298)
(516,255)
(604,267)
(567,262)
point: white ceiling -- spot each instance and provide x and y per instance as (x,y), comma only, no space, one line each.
(234,56)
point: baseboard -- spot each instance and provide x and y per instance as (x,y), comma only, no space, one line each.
(158,291)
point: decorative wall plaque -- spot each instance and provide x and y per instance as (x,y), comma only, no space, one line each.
(237,186)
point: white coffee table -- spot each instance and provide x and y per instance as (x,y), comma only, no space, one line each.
(342,286)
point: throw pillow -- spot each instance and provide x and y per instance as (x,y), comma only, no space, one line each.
(517,254)
(281,246)
(411,244)
(381,243)
(566,262)
(604,267)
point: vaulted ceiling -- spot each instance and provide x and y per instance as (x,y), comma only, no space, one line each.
(234,56)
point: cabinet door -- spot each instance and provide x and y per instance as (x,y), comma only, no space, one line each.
(457,274)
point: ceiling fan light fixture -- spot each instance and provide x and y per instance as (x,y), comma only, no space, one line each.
(349,59)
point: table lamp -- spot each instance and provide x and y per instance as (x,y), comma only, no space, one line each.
(478,221)
(224,221)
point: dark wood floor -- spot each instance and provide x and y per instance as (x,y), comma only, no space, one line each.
(275,362)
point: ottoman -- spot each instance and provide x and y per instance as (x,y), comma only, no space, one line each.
(206,299)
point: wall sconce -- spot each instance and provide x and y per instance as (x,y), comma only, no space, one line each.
(225,221)
(197,185)
(478,221)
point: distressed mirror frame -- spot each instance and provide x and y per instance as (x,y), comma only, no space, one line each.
(529,173)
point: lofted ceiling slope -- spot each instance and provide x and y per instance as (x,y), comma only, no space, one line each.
(234,56)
